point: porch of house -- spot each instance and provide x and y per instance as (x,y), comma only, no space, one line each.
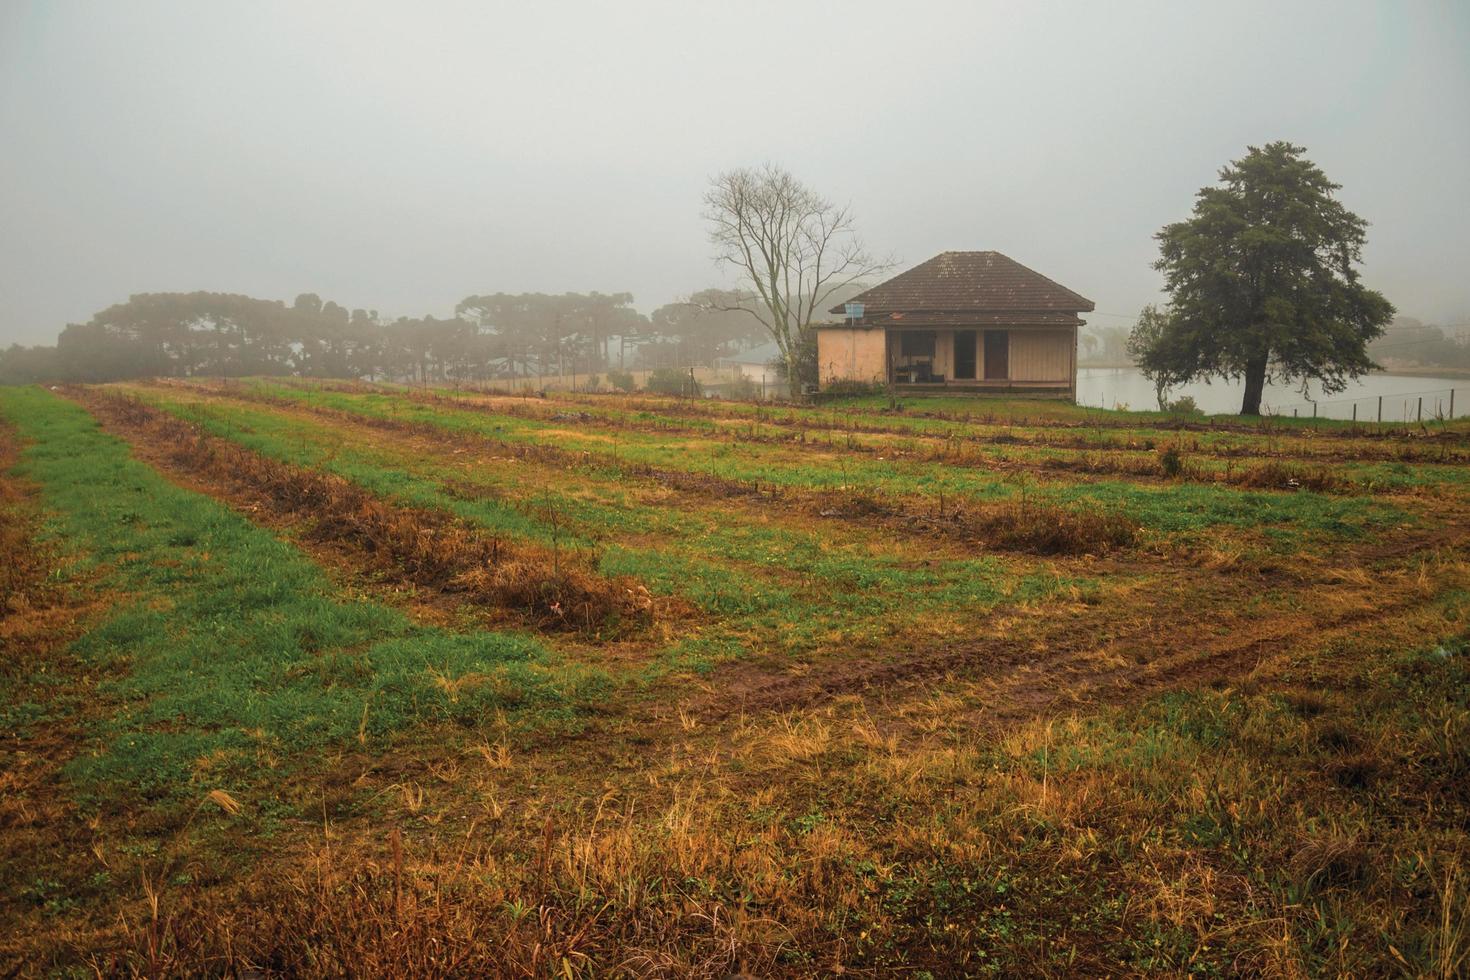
(993,358)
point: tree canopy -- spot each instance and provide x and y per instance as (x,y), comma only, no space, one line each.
(1263,282)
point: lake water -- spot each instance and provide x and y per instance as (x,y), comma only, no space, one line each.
(1402,395)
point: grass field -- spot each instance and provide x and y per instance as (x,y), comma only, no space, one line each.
(334,679)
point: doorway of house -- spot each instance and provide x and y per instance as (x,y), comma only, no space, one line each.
(997,355)
(964,355)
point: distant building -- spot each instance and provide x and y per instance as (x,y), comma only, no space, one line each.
(962,321)
(757,364)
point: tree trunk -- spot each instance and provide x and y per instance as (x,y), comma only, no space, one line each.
(1255,384)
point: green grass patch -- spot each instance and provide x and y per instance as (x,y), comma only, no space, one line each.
(235,655)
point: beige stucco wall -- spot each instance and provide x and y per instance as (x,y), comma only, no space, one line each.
(850,355)
(1042,355)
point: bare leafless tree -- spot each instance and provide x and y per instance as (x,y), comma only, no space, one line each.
(791,248)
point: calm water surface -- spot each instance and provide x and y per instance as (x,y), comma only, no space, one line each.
(1402,395)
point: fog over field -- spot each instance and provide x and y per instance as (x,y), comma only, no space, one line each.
(399,157)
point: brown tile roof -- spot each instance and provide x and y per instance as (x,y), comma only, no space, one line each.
(921,319)
(957,282)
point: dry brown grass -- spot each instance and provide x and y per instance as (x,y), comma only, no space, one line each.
(23,561)
(837,841)
(1276,475)
(1020,524)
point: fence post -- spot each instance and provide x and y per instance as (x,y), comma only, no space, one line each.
(1355,411)
(1419,412)
(1314,409)
(1380,409)
(1293,413)
(1452,404)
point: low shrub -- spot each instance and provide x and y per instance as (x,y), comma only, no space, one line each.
(1171,462)
(673,381)
(1184,405)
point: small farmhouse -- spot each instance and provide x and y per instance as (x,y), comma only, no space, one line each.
(963,321)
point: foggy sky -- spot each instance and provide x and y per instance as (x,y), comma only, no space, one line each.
(402,156)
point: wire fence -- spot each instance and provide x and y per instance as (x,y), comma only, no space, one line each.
(1433,404)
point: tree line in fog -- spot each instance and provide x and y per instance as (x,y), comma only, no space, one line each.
(490,337)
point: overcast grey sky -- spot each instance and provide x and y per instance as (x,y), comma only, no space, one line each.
(400,156)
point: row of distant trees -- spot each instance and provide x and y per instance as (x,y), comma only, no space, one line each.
(496,336)
(1405,343)
(1411,343)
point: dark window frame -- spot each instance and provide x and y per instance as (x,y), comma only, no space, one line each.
(910,343)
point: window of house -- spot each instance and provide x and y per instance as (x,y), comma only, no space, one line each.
(917,343)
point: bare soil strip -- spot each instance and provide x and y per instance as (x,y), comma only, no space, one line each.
(1028,527)
(420,547)
(1274,469)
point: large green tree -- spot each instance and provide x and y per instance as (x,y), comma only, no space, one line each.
(1263,282)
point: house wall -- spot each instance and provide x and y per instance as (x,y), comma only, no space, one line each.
(850,355)
(1042,355)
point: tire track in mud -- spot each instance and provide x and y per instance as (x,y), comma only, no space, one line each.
(1068,666)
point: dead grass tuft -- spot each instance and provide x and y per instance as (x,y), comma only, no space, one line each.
(1020,525)
(1333,858)
(1357,771)
(1042,529)
(1276,475)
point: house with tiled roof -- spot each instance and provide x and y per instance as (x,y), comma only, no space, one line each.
(962,321)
